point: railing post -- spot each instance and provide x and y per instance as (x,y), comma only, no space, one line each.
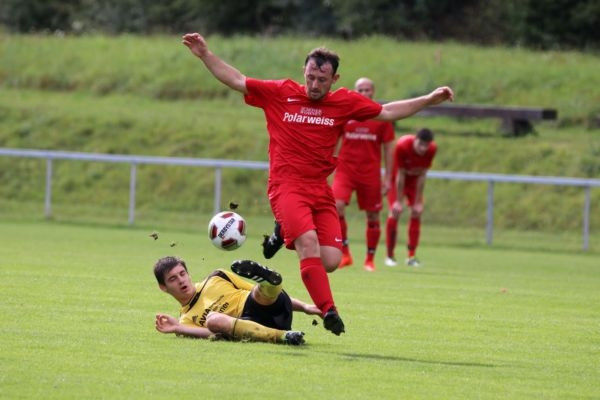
(217,201)
(586,218)
(490,212)
(132,179)
(48,197)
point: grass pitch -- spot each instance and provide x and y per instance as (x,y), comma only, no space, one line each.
(78,305)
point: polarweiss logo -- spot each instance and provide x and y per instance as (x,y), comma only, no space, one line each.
(361,136)
(307,119)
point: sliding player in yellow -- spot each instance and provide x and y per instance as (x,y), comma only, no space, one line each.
(225,306)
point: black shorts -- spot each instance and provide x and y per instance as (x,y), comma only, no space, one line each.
(277,315)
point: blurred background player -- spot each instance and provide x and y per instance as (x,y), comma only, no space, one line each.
(413,156)
(225,306)
(359,169)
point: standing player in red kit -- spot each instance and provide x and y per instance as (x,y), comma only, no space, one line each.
(413,156)
(359,169)
(304,123)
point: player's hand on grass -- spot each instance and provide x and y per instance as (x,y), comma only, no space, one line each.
(166,323)
(311,309)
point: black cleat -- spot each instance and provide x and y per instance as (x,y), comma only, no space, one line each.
(258,273)
(294,338)
(272,244)
(332,322)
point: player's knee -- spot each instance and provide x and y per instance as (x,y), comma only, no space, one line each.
(330,258)
(373,216)
(416,214)
(218,323)
(307,244)
(332,266)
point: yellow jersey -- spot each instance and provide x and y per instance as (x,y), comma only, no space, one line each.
(222,291)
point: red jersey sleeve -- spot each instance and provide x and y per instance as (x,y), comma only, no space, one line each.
(388,133)
(363,108)
(259,91)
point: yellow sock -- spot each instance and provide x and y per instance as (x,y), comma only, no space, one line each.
(245,330)
(268,290)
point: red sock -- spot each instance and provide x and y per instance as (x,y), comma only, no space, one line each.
(391,230)
(414,231)
(373,233)
(317,283)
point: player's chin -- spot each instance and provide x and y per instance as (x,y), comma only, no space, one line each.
(187,289)
(315,96)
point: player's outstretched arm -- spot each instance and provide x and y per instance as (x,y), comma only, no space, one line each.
(168,324)
(404,108)
(219,68)
(310,309)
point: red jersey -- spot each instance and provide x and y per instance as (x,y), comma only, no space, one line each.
(406,158)
(303,133)
(360,154)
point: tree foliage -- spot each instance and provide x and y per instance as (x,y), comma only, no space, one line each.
(534,23)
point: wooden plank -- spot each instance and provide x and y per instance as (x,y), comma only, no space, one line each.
(483,111)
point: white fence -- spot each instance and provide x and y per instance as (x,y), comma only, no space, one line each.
(218,165)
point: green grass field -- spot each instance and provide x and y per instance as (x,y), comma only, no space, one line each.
(516,320)
(78,305)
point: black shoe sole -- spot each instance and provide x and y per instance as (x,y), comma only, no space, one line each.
(256,272)
(272,244)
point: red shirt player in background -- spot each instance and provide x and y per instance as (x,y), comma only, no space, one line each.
(304,123)
(413,156)
(359,169)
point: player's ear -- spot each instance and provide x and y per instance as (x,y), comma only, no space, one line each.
(336,77)
(162,287)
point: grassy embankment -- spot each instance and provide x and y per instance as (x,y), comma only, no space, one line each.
(133,95)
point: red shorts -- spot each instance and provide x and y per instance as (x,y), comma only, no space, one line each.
(301,207)
(409,192)
(368,194)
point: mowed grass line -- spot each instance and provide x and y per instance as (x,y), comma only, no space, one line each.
(78,304)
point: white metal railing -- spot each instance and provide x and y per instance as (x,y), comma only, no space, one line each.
(219,164)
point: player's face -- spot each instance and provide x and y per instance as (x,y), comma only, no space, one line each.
(318,79)
(365,88)
(420,146)
(178,284)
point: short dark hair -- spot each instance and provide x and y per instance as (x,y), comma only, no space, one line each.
(323,55)
(166,264)
(425,135)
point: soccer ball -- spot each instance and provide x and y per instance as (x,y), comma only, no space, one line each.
(227,230)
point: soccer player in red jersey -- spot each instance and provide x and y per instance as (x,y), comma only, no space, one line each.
(359,169)
(304,123)
(413,156)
